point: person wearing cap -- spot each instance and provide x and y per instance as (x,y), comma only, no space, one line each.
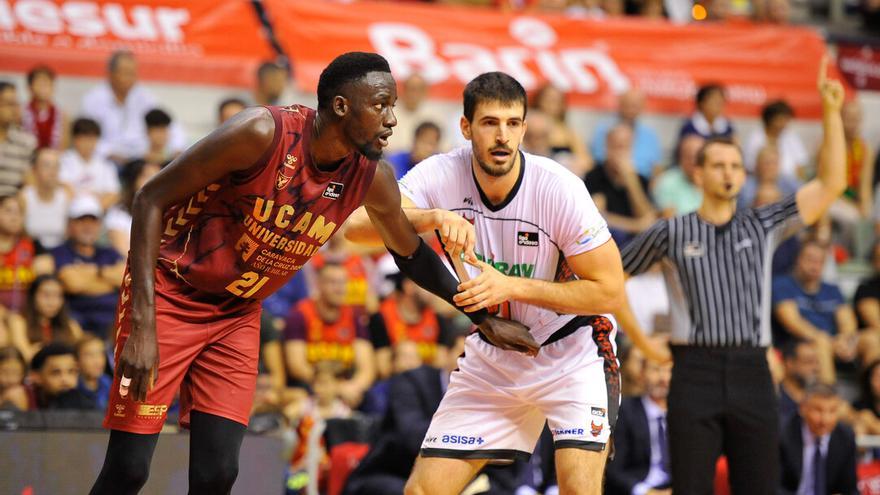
(91,274)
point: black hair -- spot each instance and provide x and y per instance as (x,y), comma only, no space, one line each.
(157,118)
(493,86)
(821,390)
(39,151)
(344,69)
(427,126)
(268,67)
(790,349)
(4,85)
(777,108)
(706,91)
(701,155)
(51,349)
(38,70)
(128,176)
(229,101)
(113,61)
(61,324)
(85,127)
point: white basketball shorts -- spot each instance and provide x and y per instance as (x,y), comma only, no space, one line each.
(497,401)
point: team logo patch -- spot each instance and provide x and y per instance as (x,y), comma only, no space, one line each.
(283,179)
(152,410)
(527,239)
(694,249)
(597,411)
(595,429)
(468,201)
(333,191)
(120,411)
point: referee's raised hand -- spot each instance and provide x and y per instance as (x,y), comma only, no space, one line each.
(831,90)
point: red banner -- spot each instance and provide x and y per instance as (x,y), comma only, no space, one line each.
(860,65)
(200,41)
(592,59)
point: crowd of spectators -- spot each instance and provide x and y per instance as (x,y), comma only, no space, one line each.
(349,337)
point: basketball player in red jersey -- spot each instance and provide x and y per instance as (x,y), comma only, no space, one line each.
(223,226)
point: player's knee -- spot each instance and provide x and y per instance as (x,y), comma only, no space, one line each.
(414,487)
(123,475)
(216,477)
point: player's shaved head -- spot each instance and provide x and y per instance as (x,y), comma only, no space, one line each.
(493,86)
(344,69)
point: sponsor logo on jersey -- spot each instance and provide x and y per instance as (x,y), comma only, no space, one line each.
(511,269)
(595,429)
(152,410)
(120,411)
(431,440)
(694,249)
(588,235)
(283,178)
(568,431)
(527,239)
(462,440)
(468,201)
(597,411)
(333,191)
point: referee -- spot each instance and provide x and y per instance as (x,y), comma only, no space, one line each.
(717,267)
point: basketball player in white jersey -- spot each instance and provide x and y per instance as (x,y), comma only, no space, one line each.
(540,254)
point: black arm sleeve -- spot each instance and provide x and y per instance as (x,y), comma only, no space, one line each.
(425,269)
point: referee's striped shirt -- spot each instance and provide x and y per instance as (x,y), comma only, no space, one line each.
(718,276)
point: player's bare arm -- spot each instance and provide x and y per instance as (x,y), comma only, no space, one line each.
(237,145)
(598,290)
(382,204)
(814,198)
(457,234)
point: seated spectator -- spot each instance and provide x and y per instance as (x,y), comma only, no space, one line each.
(641,453)
(119,107)
(568,148)
(271,81)
(83,170)
(817,451)
(271,360)
(866,417)
(766,186)
(42,117)
(632,362)
(407,315)
(326,402)
(800,362)
(805,307)
(621,194)
(646,151)
(44,318)
(16,146)
(46,201)
(674,190)
(776,133)
(278,304)
(867,298)
(426,142)
(324,328)
(13,367)
(537,137)
(91,274)
(19,261)
(228,108)
(708,121)
(360,270)
(94,382)
(413,398)
(158,123)
(404,357)
(133,176)
(53,379)
(859,161)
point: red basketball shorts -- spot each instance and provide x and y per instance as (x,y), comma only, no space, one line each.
(208,352)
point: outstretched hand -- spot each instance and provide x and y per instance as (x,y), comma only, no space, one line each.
(831,90)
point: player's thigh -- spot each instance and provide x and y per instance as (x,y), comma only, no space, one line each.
(441,475)
(580,471)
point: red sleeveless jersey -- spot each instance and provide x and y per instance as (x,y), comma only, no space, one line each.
(425,333)
(248,234)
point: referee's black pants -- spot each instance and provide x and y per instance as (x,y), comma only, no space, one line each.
(722,401)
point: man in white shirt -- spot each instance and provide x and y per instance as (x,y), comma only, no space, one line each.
(119,106)
(83,170)
(541,254)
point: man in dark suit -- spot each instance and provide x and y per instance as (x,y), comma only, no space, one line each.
(641,454)
(817,452)
(413,398)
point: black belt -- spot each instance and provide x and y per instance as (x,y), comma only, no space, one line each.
(569,328)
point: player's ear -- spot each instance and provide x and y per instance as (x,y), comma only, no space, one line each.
(465,128)
(340,105)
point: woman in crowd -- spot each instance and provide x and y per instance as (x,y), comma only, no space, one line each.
(44,318)
(12,371)
(133,176)
(94,382)
(566,145)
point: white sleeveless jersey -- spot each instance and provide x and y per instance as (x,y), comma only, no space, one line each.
(548,216)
